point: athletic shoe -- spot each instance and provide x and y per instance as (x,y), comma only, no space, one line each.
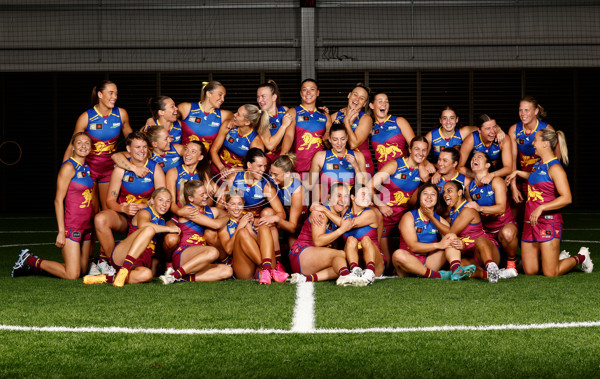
(563,255)
(357,271)
(94,270)
(463,272)
(369,275)
(94,279)
(493,272)
(264,277)
(508,273)
(297,278)
(279,267)
(121,277)
(361,281)
(345,280)
(279,276)
(169,271)
(106,269)
(167,279)
(21,267)
(445,275)
(587,266)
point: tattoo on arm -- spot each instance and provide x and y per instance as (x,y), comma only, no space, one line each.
(114,193)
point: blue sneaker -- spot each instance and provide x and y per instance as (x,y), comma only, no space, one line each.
(463,272)
(447,275)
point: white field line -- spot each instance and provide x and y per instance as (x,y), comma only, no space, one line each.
(424,329)
(28,244)
(580,241)
(304,311)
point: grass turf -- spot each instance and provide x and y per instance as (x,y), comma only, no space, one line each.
(410,302)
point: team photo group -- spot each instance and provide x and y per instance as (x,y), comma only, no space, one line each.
(306,193)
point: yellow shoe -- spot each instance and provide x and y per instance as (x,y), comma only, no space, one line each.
(94,279)
(121,277)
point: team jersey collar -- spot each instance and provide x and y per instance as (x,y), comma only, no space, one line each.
(311,112)
(202,109)
(460,206)
(384,121)
(100,114)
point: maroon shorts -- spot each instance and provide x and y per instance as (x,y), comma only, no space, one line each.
(542,231)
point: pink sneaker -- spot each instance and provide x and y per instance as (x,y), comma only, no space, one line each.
(280,267)
(264,277)
(279,276)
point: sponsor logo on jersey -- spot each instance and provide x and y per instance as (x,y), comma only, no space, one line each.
(146,180)
(273,126)
(230,139)
(95,126)
(306,118)
(375,131)
(520,141)
(477,196)
(116,125)
(419,230)
(128,178)
(214,124)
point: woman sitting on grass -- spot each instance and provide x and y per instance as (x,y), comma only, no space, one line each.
(422,249)
(250,246)
(470,244)
(193,260)
(133,255)
(74,212)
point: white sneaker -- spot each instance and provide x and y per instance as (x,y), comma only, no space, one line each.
(345,280)
(493,272)
(587,266)
(563,255)
(360,282)
(369,275)
(297,278)
(508,273)
(106,269)
(169,271)
(94,270)
(357,271)
(167,279)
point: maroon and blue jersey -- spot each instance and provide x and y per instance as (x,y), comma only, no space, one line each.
(426,230)
(135,189)
(192,234)
(387,141)
(458,177)
(183,176)
(235,147)
(402,184)
(79,209)
(254,196)
(527,157)
(363,231)
(305,238)
(485,196)
(542,190)
(493,151)
(274,125)
(337,169)
(174,131)
(201,126)
(145,259)
(168,160)
(439,143)
(104,133)
(471,232)
(285,193)
(364,147)
(310,128)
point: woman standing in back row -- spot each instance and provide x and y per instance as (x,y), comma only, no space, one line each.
(202,120)
(103,123)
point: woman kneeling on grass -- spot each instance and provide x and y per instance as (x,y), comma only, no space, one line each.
(311,256)
(250,245)
(74,212)
(548,192)
(473,245)
(134,254)
(422,250)
(193,260)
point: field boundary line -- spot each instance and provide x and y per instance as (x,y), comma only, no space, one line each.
(26,231)
(304,311)
(420,329)
(580,241)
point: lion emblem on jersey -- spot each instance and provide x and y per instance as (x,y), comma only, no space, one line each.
(227,157)
(399,199)
(534,195)
(310,140)
(528,160)
(384,151)
(101,147)
(196,239)
(87,198)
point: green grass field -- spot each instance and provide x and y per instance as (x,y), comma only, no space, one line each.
(241,329)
